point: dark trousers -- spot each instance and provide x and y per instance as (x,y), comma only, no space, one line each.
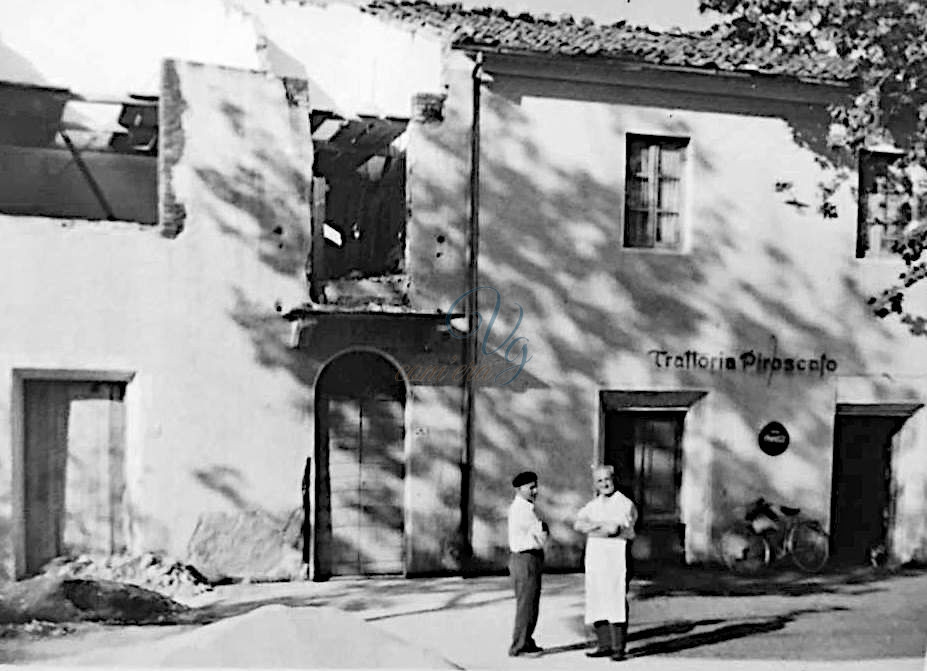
(525,569)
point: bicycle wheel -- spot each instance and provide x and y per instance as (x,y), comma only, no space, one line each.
(808,546)
(744,553)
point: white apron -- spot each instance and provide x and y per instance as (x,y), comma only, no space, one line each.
(605,580)
(606,559)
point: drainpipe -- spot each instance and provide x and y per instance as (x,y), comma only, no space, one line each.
(470,344)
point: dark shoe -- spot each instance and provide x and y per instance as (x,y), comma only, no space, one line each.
(600,652)
(530,652)
(619,636)
(604,643)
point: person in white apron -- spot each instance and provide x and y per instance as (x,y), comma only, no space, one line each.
(608,522)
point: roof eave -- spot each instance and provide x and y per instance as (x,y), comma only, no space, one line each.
(561,66)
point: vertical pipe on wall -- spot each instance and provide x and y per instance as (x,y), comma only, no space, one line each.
(472,351)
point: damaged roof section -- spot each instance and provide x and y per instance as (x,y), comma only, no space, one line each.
(359,212)
(67,155)
(346,144)
(497,30)
(35,116)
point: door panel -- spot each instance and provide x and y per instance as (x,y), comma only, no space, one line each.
(382,478)
(657,457)
(343,475)
(645,449)
(46,431)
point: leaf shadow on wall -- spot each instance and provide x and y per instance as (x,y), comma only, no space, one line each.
(550,241)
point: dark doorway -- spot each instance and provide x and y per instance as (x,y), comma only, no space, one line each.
(861,486)
(360,467)
(645,447)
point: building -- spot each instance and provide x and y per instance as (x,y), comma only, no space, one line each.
(271,314)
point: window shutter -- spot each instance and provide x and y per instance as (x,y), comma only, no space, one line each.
(672,156)
(638,195)
(884,210)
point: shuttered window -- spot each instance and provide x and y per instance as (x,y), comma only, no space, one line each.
(653,191)
(885,203)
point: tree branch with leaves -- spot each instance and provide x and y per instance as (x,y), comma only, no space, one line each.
(885,42)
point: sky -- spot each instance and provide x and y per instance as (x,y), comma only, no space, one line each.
(655,13)
(31,46)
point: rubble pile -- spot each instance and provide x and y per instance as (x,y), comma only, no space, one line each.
(170,578)
(61,599)
(36,628)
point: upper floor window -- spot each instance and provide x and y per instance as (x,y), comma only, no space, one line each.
(654,179)
(887,204)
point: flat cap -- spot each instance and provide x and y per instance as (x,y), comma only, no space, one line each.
(524,478)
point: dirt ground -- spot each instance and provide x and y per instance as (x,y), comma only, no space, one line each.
(65,640)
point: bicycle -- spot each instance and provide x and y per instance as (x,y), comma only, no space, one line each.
(767,537)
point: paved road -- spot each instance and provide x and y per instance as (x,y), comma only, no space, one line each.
(821,621)
(688,619)
(680,617)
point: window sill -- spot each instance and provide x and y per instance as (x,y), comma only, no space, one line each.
(65,221)
(663,251)
(880,260)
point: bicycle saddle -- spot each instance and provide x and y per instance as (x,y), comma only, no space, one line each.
(788,510)
(761,508)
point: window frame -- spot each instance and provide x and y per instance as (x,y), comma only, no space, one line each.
(864,222)
(655,142)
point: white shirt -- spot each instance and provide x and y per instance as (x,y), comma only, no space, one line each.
(617,509)
(526,532)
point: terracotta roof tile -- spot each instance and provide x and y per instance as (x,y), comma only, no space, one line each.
(492,28)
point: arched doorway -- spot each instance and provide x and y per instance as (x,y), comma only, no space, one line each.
(359,482)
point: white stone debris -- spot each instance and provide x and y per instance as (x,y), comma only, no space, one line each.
(160,574)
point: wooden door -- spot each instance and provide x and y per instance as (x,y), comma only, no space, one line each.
(74,469)
(645,449)
(365,463)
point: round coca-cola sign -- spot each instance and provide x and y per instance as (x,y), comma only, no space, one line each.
(774,439)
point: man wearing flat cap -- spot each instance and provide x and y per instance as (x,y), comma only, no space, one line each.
(527,535)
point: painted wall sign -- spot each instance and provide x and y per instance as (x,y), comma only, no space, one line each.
(751,361)
(773,439)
